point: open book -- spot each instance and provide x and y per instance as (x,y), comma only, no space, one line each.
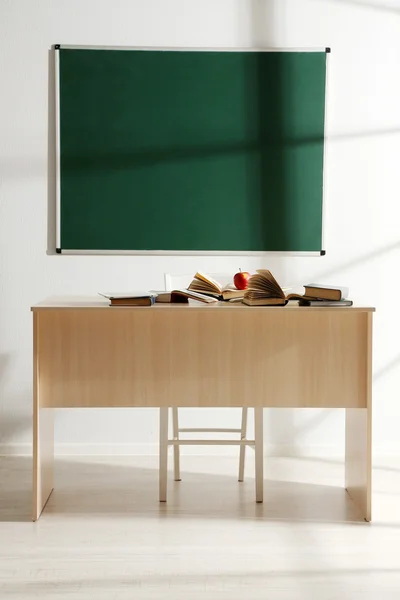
(207,285)
(186,295)
(264,290)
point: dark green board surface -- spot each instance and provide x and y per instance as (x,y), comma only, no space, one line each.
(191,150)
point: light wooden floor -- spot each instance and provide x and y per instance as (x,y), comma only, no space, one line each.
(104,534)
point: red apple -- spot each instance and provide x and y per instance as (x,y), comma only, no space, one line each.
(241,280)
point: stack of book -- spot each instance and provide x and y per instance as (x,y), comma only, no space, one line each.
(325,295)
(264,290)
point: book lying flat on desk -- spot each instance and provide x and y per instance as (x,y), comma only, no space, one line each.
(325,302)
(326,292)
(207,285)
(264,290)
(130,299)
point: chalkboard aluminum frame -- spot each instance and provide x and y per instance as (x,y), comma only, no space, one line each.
(59,249)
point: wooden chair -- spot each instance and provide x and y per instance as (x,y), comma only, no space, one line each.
(182,281)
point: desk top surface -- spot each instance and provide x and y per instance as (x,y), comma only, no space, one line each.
(94,302)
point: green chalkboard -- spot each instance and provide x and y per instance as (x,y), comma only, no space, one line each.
(190,150)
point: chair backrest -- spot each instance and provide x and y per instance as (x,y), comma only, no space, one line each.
(176,281)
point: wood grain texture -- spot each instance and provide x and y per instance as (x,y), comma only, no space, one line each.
(105,536)
(180,356)
(259,453)
(163,454)
(94,356)
(43,435)
(359,438)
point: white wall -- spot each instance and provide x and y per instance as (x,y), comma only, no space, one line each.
(362,192)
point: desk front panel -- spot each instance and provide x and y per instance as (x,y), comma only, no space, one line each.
(154,357)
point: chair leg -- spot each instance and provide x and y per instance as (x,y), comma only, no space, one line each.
(243,434)
(259,452)
(175,435)
(163,469)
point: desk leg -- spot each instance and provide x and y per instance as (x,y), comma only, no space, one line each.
(259,453)
(43,440)
(358,458)
(175,422)
(359,440)
(163,474)
(243,435)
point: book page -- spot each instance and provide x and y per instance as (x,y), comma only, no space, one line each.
(209,281)
(264,284)
(122,295)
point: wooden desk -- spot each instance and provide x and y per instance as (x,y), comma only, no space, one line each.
(87,354)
